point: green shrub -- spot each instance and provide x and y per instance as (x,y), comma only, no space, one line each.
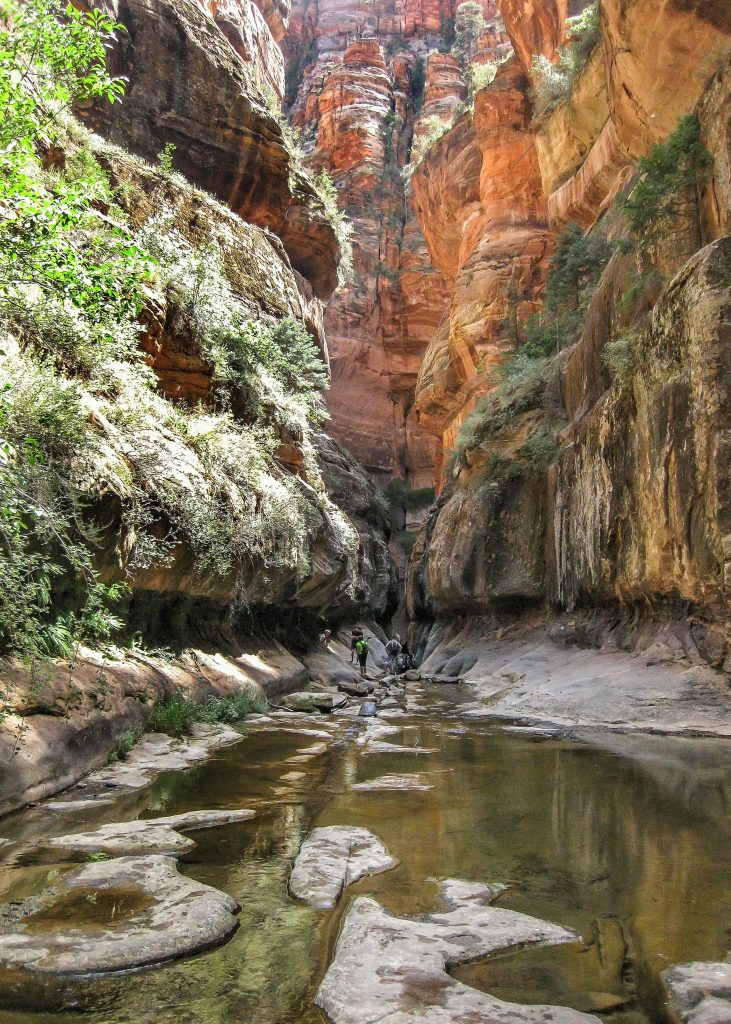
(573,274)
(622,355)
(468,24)
(177,714)
(553,82)
(540,450)
(328,194)
(671,177)
(397,492)
(417,76)
(482,75)
(44,540)
(406,541)
(125,743)
(165,159)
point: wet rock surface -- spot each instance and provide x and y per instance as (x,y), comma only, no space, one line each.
(154,835)
(173,917)
(700,993)
(331,859)
(156,753)
(382,747)
(396,968)
(396,783)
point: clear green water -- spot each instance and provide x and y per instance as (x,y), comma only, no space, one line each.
(628,846)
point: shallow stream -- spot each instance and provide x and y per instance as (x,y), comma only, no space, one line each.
(626,841)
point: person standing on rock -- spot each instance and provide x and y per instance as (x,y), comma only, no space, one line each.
(356,634)
(324,638)
(393,649)
(361,649)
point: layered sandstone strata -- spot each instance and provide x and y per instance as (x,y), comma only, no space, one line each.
(366,84)
(594,489)
(199,80)
(650,68)
(478,195)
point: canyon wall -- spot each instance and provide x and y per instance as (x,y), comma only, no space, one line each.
(583,488)
(364,84)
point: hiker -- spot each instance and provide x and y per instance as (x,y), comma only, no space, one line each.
(324,638)
(361,649)
(356,634)
(393,649)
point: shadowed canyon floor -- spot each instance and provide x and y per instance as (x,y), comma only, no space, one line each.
(623,841)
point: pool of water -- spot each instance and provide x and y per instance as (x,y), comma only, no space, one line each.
(626,842)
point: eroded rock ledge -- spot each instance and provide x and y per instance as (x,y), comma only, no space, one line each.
(397,968)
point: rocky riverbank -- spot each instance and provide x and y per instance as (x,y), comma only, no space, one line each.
(351,844)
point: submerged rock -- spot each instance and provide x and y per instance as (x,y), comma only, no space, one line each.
(700,993)
(313,703)
(372,729)
(377,747)
(393,968)
(174,917)
(405,783)
(331,859)
(156,835)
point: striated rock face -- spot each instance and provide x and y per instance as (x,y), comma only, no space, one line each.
(197,82)
(667,534)
(652,66)
(586,489)
(366,82)
(535,27)
(478,195)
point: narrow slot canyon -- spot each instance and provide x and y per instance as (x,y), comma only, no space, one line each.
(365,636)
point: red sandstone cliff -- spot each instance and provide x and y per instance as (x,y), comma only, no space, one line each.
(365,84)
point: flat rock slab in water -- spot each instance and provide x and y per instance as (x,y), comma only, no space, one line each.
(404,783)
(177,917)
(77,805)
(156,835)
(376,747)
(331,859)
(372,729)
(701,992)
(313,703)
(157,753)
(395,969)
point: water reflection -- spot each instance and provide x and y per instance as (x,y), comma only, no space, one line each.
(628,845)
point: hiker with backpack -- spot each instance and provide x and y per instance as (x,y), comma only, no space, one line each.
(356,634)
(361,650)
(393,649)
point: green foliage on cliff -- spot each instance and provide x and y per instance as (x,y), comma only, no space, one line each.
(671,177)
(468,24)
(80,414)
(328,194)
(553,82)
(573,275)
(397,492)
(69,288)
